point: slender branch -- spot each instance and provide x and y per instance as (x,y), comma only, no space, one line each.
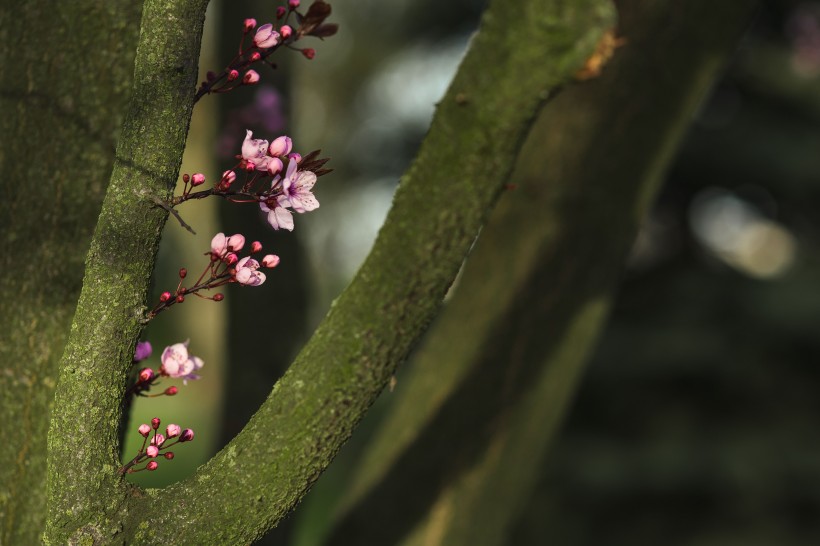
(85,490)
(442,201)
(160,203)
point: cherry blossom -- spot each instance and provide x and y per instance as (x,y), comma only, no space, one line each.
(296,187)
(247,272)
(278,216)
(265,37)
(177,363)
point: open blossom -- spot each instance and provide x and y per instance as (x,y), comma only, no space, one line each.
(265,37)
(247,272)
(296,187)
(278,216)
(254,151)
(221,245)
(176,362)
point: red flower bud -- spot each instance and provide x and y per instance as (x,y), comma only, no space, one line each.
(280,12)
(186,178)
(182,273)
(168,455)
(187,435)
(256,246)
(151,465)
(180,298)
(309,52)
(146,375)
(155,423)
(232,75)
(255,56)
(165,296)
(171,391)
(218,297)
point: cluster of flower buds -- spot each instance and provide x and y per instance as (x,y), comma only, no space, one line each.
(177,363)
(276,177)
(224,267)
(268,38)
(158,445)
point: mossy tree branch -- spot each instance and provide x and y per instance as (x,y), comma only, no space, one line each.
(524,50)
(86,495)
(61,113)
(461,447)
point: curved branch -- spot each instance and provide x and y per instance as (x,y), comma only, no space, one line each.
(523,52)
(85,492)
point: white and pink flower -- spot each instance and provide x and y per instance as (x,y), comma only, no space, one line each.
(296,187)
(177,363)
(247,272)
(265,37)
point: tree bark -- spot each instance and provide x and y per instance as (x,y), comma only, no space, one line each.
(66,71)
(456,457)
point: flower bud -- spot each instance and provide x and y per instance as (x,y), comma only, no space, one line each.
(231,259)
(256,246)
(232,75)
(250,77)
(228,177)
(144,430)
(271,261)
(152,451)
(170,391)
(165,296)
(280,146)
(280,12)
(255,56)
(197,179)
(236,242)
(155,423)
(218,297)
(249,25)
(157,440)
(183,273)
(151,466)
(146,375)
(285,32)
(180,298)
(172,430)
(187,435)
(309,52)
(265,37)
(293,4)
(168,455)
(295,157)
(275,166)
(186,178)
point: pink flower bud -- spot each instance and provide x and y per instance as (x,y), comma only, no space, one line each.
(271,261)
(168,455)
(232,75)
(180,298)
(249,25)
(157,440)
(165,296)
(293,4)
(187,435)
(170,391)
(285,32)
(155,423)
(152,465)
(228,177)
(250,77)
(256,246)
(255,56)
(146,375)
(266,37)
(275,166)
(295,157)
(280,12)
(218,297)
(236,242)
(152,451)
(309,52)
(231,259)
(144,430)
(280,146)
(197,179)
(172,430)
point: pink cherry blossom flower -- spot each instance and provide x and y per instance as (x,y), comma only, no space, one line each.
(152,451)
(296,187)
(278,216)
(142,351)
(221,245)
(197,179)
(152,465)
(254,151)
(280,146)
(247,272)
(266,37)
(177,363)
(172,431)
(270,261)
(144,430)
(250,77)
(236,242)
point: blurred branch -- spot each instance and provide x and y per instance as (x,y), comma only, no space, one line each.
(118,269)
(463,164)
(456,457)
(49,208)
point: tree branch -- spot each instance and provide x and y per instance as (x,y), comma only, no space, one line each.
(86,495)
(523,52)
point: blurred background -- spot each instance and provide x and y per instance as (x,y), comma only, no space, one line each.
(697,420)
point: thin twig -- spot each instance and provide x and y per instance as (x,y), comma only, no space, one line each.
(159,202)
